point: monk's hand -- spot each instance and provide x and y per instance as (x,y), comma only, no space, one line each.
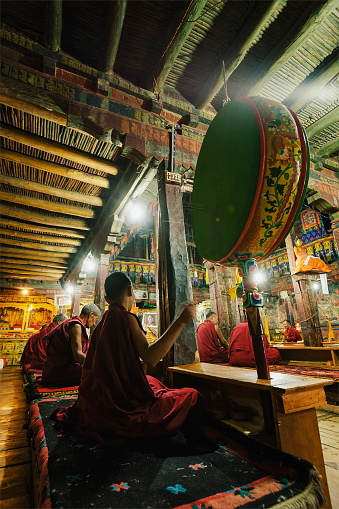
(186,313)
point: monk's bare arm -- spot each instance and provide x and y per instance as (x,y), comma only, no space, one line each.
(222,340)
(152,354)
(76,343)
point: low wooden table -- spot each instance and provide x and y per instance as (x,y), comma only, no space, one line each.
(292,426)
(298,352)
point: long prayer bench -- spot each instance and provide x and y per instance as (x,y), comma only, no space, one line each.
(314,354)
(286,402)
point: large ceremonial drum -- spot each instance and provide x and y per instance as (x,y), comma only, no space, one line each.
(250,181)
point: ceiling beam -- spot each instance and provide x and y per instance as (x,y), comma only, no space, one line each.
(32,109)
(30,185)
(173,49)
(323,122)
(56,169)
(14,266)
(288,46)
(314,85)
(47,205)
(7,258)
(34,217)
(118,16)
(57,149)
(40,238)
(34,255)
(40,229)
(29,274)
(233,57)
(53,24)
(329,148)
(38,245)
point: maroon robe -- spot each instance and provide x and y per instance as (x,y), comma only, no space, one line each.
(39,347)
(209,344)
(60,368)
(116,398)
(241,350)
(28,352)
(293,335)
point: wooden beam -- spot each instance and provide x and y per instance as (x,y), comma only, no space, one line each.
(27,215)
(38,245)
(289,45)
(248,36)
(34,255)
(40,229)
(37,111)
(69,153)
(37,237)
(119,10)
(47,205)
(31,275)
(323,123)
(49,190)
(329,148)
(7,258)
(13,266)
(185,28)
(53,24)
(54,168)
(313,85)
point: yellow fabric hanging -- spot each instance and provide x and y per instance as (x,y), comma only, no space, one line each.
(207,278)
(267,331)
(238,279)
(330,331)
(232,292)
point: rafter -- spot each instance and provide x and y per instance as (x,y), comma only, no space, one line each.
(239,49)
(27,215)
(34,254)
(41,229)
(329,148)
(38,245)
(323,122)
(32,109)
(41,262)
(72,154)
(119,10)
(53,24)
(50,190)
(37,237)
(47,205)
(13,266)
(54,168)
(30,274)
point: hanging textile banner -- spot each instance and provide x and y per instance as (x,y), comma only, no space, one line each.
(312,226)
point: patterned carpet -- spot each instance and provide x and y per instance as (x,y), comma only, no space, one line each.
(319,372)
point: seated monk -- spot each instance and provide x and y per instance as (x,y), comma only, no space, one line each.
(291,334)
(241,350)
(210,341)
(116,398)
(306,262)
(66,349)
(34,354)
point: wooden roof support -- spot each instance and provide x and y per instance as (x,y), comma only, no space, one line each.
(316,82)
(49,190)
(38,111)
(34,217)
(37,237)
(38,245)
(47,205)
(285,50)
(165,64)
(7,258)
(328,149)
(72,154)
(118,12)
(53,24)
(54,168)
(30,274)
(10,266)
(40,229)
(239,49)
(34,255)
(323,123)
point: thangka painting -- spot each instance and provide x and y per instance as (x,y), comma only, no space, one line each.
(312,226)
(328,304)
(11,318)
(38,317)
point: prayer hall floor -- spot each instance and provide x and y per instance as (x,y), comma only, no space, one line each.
(16,485)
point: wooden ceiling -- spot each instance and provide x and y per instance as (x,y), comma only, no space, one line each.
(62,189)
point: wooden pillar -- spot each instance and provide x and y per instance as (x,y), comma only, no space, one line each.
(174,282)
(75,307)
(99,292)
(221,279)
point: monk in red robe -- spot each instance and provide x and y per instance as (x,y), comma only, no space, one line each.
(241,350)
(34,355)
(211,342)
(291,334)
(116,398)
(66,349)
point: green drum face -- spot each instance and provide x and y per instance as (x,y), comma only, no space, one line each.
(249,181)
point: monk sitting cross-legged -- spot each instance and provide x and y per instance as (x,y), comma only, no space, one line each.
(116,398)
(66,349)
(211,343)
(291,334)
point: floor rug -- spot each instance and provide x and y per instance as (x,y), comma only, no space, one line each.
(34,390)
(331,373)
(210,467)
